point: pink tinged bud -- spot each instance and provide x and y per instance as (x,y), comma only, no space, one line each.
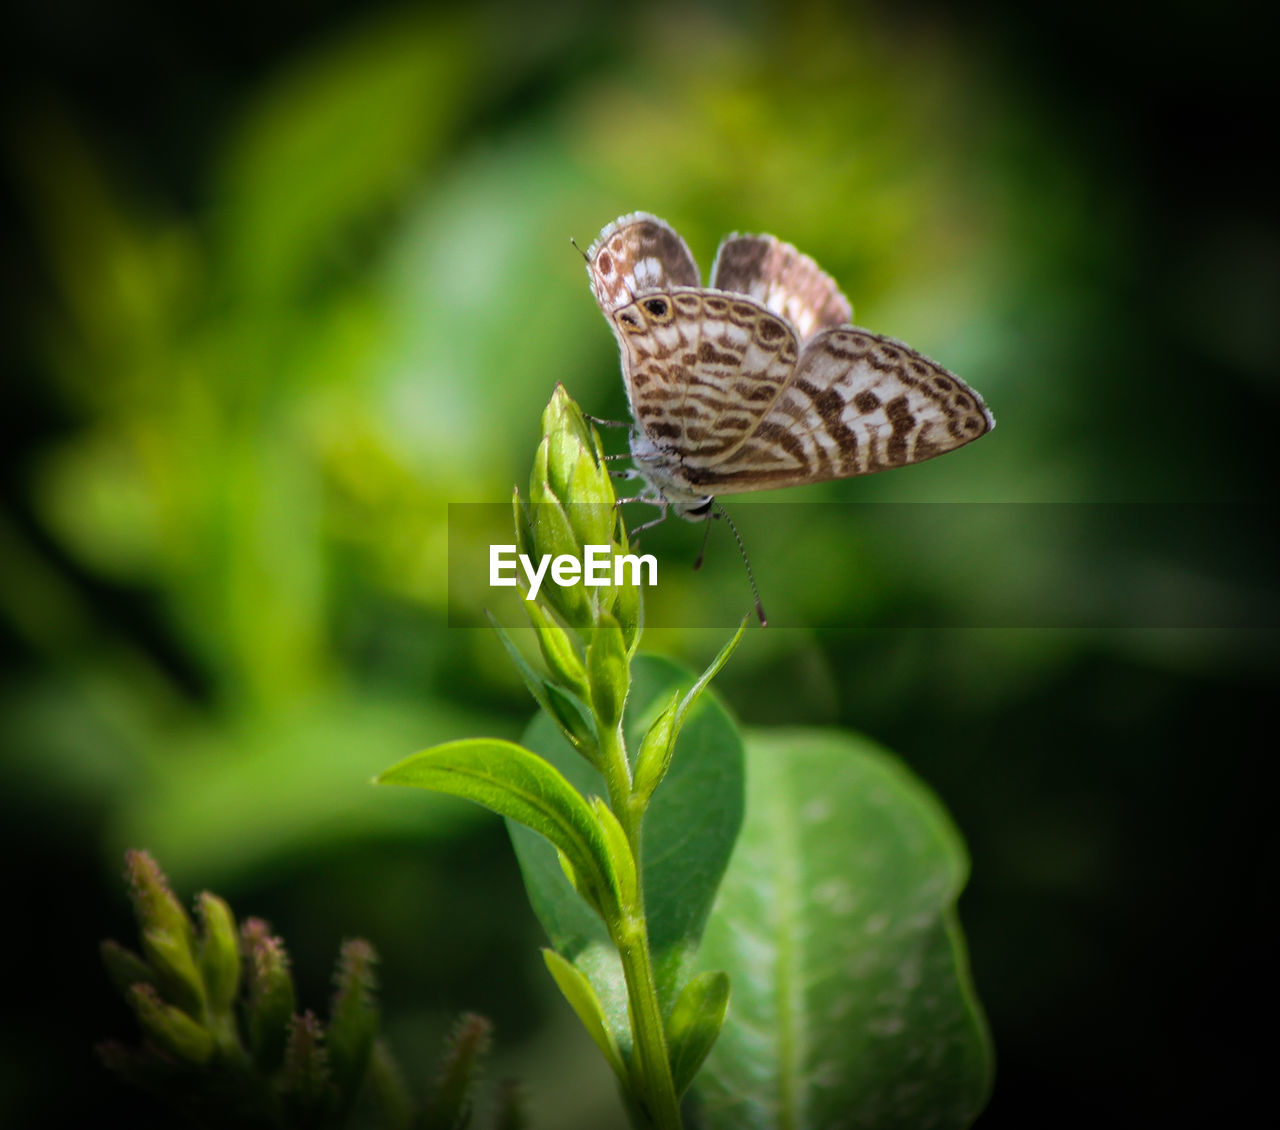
(451,1099)
(306,1083)
(353,1018)
(271,1002)
(168,938)
(154,904)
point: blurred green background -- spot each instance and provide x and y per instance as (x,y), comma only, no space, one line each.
(284,280)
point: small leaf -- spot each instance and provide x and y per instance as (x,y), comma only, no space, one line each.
(582,999)
(520,785)
(694,1024)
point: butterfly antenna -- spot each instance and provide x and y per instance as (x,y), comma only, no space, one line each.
(755,592)
(706,534)
(579,250)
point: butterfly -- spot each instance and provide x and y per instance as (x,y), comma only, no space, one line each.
(760,380)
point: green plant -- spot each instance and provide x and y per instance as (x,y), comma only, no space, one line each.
(832,919)
(224,1045)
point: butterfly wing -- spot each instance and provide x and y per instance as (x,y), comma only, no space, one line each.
(702,369)
(856,403)
(635,254)
(782,280)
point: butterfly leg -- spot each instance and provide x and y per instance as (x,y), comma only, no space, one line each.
(606,423)
(661,503)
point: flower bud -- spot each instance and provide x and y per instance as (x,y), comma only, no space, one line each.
(353,1017)
(654,758)
(306,1083)
(219,952)
(572,504)
(608,671)
(271,996)
(169,1028)
(450,1101)
(124,967)
(558,651)
(168,938)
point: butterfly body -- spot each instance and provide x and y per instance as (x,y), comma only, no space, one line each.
(760,380)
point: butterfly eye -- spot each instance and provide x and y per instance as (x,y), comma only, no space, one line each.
(656,307)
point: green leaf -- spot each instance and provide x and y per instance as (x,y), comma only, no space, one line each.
(852,1002)
(582,999)
(689,832)
(694,1024)
(519,785)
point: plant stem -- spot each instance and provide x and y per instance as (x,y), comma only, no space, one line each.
(654,1087)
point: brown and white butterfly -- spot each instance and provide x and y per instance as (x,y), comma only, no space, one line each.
(760,381)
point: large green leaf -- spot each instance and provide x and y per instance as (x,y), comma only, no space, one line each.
(689,832)
(852,1004)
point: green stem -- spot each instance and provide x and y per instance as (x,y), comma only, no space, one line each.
(653,1083)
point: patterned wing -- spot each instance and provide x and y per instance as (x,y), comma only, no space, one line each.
(856,403)
(782,280)
(635,254)
(702,369)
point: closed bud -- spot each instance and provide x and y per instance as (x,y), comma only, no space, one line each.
(654,758)
(450,1100)
(621,860)
(566,714)
(306,1082)
(154,903)
(124,967)
(219,952)
(553,537)
(353,1017)
(628,608)
(168,938)
(558,651)
(608,671)
(271,995)
(169,1028)
(174,961)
